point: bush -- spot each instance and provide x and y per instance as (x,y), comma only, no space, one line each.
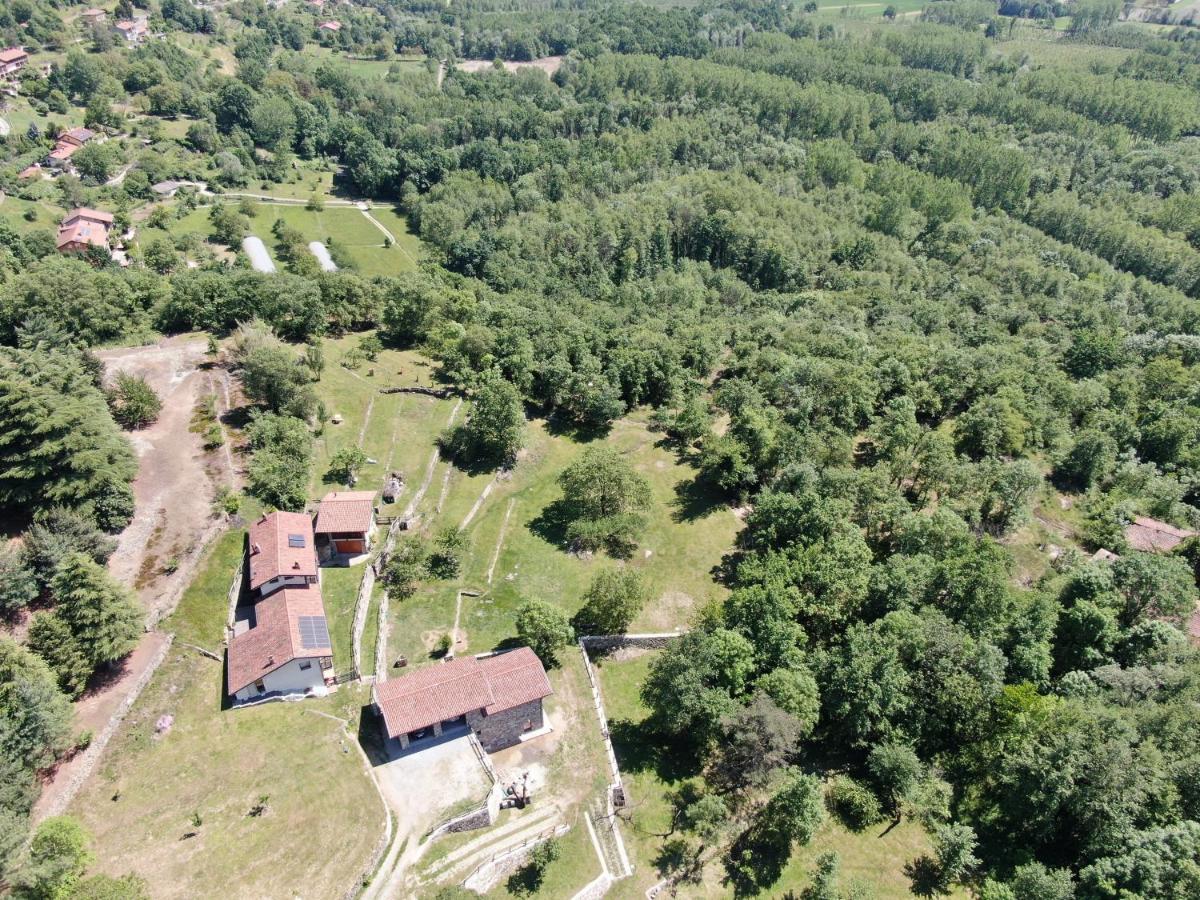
(853,803)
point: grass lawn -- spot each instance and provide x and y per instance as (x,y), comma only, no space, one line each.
(348,226)
(366,68)
(562,878)
(217,764)
(872,860)
(339,590)
(13,209)
(685,537)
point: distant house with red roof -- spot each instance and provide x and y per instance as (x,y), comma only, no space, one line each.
(1152,536)
(12,61)
(330,27)
(281,646)
(281,553)
(93,16)
(31,171)
(134,31)
(498,697)
(345,524)
(84,228)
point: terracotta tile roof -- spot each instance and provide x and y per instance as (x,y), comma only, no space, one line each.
(331,26)
(91,215)
(275,639)
(346,511)
(1151,535)
(64,150)
(270,552)
(516,677)
(12,54)
(77,135)
(445,691)
(82,231)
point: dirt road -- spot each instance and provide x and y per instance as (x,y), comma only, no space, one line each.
(173,523)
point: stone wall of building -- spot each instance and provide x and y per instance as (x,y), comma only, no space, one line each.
(505,728)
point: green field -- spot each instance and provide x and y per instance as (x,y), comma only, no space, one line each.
(347,225)
(216,764)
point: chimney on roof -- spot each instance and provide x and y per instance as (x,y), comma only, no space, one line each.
(254,548)
(296,564)
(271,660)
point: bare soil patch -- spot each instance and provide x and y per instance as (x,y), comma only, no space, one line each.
(548,64)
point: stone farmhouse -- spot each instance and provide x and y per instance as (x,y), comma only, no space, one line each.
(497,696)
(12,61)
(280,644)
(345,525)
(84,228)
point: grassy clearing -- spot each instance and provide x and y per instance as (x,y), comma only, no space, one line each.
(339,590)
(217,764)
(685,537)
(563,878)
(200,616)
(872,860)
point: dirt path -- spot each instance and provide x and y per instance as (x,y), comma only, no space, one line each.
(159,551)
(512,501)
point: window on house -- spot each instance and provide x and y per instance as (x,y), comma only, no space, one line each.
(306,665)
(260,687)
(295,540)
(529,724)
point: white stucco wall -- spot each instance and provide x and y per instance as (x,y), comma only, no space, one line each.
(289,678)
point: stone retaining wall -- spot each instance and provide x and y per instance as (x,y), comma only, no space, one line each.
(621,641)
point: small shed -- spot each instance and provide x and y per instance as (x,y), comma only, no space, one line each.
(345,525)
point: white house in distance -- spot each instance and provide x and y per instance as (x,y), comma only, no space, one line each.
(134,30)
(281,553)
(345,526)
(282,648)
(12,61)
(280,644)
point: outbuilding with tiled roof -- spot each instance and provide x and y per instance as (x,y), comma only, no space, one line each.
(498,697)
(1152,536)
(345,524)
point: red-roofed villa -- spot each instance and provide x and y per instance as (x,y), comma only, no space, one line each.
(345,525)
(498,697)
(281,553)
(1152,536)
(83,228)
(281,646)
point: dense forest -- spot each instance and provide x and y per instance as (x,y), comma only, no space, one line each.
(888,287)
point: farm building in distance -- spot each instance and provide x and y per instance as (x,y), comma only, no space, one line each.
(345,525)
(84,228)
(280,643)
(498,697)
(1152,536)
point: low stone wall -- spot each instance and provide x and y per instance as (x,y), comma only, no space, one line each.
(484,878)
(620,641)
(596,888)
(95,750)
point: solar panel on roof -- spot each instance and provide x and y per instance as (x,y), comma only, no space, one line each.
(314,632)
(295,540)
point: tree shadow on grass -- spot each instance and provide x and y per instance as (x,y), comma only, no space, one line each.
(561,426)
(551,526)
(238,417)
(641,748)
(756,860)
(696,499)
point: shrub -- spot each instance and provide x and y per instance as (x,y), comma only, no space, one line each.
(853,803)
(133,402)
